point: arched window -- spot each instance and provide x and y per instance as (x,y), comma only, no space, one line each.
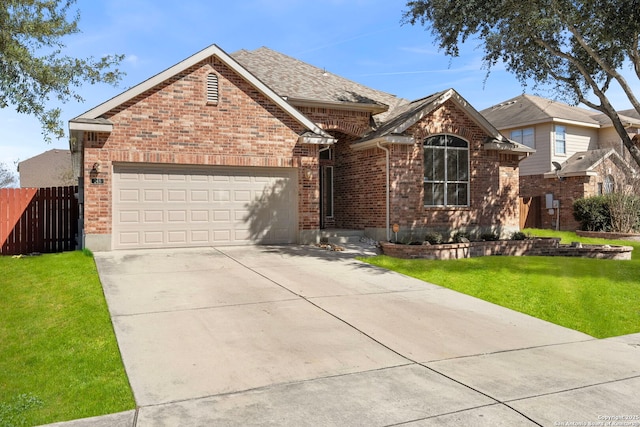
(212,89)
(609,185)
(446,171)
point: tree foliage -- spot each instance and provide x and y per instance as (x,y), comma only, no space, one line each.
(579,47)
(7,177)
(33,68)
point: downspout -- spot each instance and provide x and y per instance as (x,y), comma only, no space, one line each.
(386,150)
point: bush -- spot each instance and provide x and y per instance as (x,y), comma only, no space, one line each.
(592,213)
(518,235)
(460,237)
(489,236)
(624,212)
(433,238)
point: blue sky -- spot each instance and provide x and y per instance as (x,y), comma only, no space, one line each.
(362,40)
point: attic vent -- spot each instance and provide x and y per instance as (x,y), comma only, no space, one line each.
(212,89)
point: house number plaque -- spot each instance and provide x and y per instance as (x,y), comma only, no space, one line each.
(97,181)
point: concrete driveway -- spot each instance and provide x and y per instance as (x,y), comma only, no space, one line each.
(301,336)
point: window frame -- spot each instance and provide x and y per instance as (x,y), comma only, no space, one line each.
(560,129)
(521,137)
(329,191)
(446,182)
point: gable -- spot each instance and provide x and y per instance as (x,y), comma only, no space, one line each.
(91,120)
(397,130)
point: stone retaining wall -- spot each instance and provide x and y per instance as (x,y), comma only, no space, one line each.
(531,247)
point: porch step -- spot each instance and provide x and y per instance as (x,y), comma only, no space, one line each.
(342,236)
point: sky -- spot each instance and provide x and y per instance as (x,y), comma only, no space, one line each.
(362,40)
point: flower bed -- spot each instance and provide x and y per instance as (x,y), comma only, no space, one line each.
(530,247)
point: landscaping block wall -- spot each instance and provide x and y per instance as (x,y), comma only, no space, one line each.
(532,247)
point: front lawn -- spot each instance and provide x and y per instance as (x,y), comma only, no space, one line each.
(58,355)
(598,297)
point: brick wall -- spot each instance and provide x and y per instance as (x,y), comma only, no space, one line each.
(567,191)
(493,180)
(172,123)
(360,180)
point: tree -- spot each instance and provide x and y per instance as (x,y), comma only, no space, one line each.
(7,177)
(33,69)
(579,47)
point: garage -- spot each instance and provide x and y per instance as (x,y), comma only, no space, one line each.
(160,206)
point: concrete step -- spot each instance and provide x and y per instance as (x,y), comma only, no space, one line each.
(342,236)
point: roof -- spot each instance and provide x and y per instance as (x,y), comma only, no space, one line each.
(525,110)
(393,130)
(298,81)
(49,169)
(584,163)
(88,120)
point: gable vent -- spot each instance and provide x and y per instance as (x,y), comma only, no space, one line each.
(212,88)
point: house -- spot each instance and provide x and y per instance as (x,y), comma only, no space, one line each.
(258,147)
(49,169)
(578,154)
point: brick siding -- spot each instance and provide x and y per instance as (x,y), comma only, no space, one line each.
(173,124)
(567,191)
(493,182)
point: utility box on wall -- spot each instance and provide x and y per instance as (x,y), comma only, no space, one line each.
(548,201)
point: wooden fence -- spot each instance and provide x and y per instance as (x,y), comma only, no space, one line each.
(530,212)
(38,220)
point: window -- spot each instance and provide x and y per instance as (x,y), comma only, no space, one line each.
(524,136)
(561,144)
(328,191)
(608,185)
(446,171)
(326,154)
(212,89)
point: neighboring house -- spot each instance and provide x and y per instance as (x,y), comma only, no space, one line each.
(578,154)
(258,147)
(49,169)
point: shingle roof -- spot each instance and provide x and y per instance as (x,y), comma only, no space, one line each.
(292,78)
(529,109)
(402,114)
(584,163)
(49,169)
(407,115)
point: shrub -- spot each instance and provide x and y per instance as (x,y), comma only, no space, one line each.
(489,236)
(460,237)
(518,235)
(433,238)
(592,213)
(624,212)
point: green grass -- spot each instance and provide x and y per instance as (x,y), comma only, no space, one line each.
(59,359)
(598,297)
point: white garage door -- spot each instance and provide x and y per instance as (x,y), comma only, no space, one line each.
(163,206)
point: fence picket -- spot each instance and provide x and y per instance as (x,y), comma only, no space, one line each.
(38,220)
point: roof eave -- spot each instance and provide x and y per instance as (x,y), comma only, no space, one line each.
(383,140)
(90,126)
(352,106)
(550,175)
(316,140)
(212,50)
